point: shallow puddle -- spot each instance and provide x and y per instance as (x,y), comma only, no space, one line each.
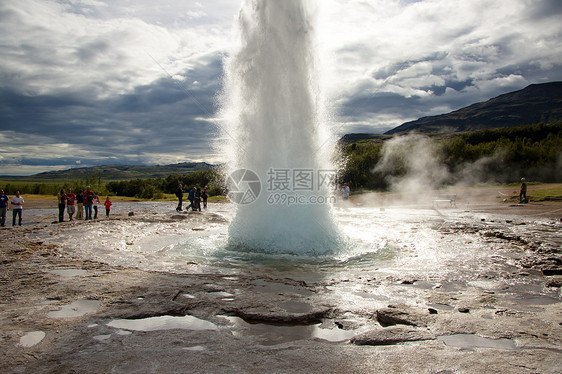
(470,341)
(68,273)
(76,309)
(195,348)
(163,323)
(440,306)
(332,335)
(269,334)
(31,338)
(221,294)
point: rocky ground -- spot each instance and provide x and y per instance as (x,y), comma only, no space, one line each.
(63,314)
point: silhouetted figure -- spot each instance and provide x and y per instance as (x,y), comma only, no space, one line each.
(62,204)
(197,199)
(179,194)
(3,207)
(88,202)
(523,192)
(204,196)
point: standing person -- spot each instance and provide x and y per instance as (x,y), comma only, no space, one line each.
(179,194)
(62,204)
(205,195)
(17,202)
(88,202)
(96,203)
(345,191)
(70,207)
(197,199)
(3,207)
(523,192)
(191,197)
(80,205)
(107,204)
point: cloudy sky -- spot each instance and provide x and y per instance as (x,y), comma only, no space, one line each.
(91,82)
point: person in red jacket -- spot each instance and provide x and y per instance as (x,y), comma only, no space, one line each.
(70,207)
(107,204)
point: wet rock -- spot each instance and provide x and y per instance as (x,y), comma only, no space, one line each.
(391,335)
(279,316)
(347,324)
(552,271)
(400,316)
(554,282)
(149,305)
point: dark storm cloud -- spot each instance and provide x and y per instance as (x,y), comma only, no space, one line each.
(90,50)
(439,90)
(380,103)
(358,112)
(78,86)
(392,69)
(163,117)
(545,9)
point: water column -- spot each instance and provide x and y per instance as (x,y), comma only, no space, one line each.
(275,126)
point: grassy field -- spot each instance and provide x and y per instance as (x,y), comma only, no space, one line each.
(535,192)
(543,192)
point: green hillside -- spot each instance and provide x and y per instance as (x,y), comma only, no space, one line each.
(114,172)
(537,103)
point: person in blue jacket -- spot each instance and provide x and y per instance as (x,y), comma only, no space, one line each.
(191,198)
(3,207)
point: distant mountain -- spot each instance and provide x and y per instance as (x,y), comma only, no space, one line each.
(118,172)
(355,137)
(537,103)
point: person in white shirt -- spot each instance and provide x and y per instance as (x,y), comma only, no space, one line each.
(17,208)
(345,191)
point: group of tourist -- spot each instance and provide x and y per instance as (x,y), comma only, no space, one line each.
(17,207)
(81,204)
(195,195)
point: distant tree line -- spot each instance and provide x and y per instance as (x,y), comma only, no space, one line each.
(155,188)
(494,156)
(147,188)
(53,188)
(491,156)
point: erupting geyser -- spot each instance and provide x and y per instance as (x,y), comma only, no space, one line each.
(275,124)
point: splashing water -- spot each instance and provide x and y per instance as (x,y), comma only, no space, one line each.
(276,129)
